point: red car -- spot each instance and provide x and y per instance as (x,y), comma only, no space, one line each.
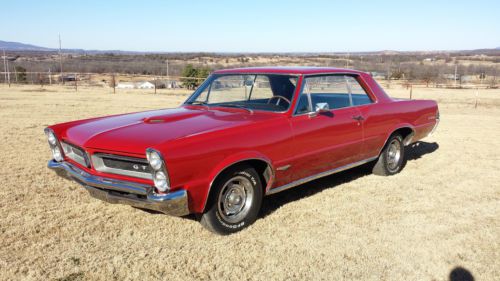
(243,134)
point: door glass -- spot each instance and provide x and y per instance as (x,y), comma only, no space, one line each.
(358,94)
(331,89)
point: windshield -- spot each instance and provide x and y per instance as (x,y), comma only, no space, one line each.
(270,92)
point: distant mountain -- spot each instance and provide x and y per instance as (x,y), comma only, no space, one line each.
(16,46)
(21,47)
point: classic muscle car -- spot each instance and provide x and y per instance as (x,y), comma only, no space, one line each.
(243,134)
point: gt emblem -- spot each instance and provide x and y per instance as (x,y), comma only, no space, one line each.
(136,167)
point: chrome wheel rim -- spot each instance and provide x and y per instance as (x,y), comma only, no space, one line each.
(393,155)
(235,199)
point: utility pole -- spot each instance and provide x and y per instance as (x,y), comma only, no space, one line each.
(50,77)
(60,60)
(167,71)
(8,72)
(4,66)
(456,65)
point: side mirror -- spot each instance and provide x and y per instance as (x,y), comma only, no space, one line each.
(322,107)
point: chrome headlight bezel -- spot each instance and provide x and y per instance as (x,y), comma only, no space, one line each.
(55,145)
(157,163)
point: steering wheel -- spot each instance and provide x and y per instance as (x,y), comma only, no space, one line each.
(279,98)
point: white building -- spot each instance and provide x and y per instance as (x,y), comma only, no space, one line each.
(145,85)
(125,85)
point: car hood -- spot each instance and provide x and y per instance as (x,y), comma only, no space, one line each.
(134,132)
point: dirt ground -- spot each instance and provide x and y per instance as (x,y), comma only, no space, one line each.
(442,212)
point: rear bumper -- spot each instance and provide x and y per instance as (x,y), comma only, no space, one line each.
(124,192)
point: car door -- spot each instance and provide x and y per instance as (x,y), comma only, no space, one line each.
(329,139)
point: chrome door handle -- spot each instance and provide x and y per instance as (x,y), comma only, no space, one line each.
(358,117)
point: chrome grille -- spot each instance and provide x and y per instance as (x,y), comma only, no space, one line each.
(76,154)
(122,165)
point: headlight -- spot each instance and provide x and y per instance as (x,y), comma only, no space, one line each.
(160,180)
(56,153)
(52,139)
(155,161)
(54,145)
(160,175)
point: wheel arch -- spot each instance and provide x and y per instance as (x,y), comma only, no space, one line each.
(406,131)
(261,163)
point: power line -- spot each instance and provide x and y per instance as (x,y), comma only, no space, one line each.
(60,60)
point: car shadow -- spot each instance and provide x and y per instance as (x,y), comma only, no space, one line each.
(461,274)
(273,202)
(419,149)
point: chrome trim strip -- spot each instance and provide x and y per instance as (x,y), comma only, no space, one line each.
(123,192)
(317,176)
(283,168)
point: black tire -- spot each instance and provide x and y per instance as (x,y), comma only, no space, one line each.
(388,164)
(243,181)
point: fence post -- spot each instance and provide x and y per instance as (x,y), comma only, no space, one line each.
(114,83)
(477,93)
(411,91)
(76,82)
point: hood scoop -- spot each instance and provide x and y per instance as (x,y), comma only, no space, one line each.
(169,118)
(154,120)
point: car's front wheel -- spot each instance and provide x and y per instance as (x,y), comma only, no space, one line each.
(234,202)
(391,159)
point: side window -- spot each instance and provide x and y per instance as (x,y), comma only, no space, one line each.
(331,89)
(358,94)
(337,91)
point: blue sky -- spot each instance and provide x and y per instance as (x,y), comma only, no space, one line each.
(254,26)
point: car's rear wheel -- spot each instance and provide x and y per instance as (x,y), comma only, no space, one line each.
(391,159)
(234,202)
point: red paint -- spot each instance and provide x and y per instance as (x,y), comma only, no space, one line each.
(198,143)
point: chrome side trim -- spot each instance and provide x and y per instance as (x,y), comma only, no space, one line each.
(317,176)
(283,168)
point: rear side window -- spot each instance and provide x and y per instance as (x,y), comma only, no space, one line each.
(338,91)
(358,94)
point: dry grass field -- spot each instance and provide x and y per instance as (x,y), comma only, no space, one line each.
(441,212)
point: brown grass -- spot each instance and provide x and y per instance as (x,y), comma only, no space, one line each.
(440,213)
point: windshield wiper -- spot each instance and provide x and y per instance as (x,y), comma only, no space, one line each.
(236,105)
(198,102)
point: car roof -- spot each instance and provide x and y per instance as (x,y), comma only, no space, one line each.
(287,70)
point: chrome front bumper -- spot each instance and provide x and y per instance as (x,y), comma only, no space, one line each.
(124,192)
